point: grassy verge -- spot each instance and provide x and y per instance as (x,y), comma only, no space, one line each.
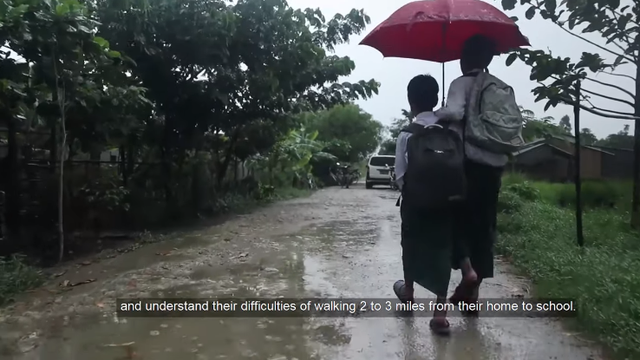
(17,276)
(595,194)
(538,236)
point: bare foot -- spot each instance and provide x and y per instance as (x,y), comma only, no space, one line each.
(470,277)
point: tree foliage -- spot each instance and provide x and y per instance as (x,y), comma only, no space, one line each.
(193,86)
(348,132)
(620,140)
(540,128)
(388,146)
(565,123)
(557,76)
(587,137)
(567,80)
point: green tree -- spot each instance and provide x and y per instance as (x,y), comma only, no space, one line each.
(215,74)
(348,124)
(565,123)
(617,23)
(388,146)
(63,60)
(587,137)
(620,140)
(197,85)
(539,128)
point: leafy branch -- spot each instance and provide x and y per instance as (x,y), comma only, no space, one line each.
(615,23)
(564,74)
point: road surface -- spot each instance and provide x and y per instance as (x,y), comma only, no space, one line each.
(336,243)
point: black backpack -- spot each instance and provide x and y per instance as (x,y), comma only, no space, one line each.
(435,168)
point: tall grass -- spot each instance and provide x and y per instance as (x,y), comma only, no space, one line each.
(16,276)
(538,236)
(595,193)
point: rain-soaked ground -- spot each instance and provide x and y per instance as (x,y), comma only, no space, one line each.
(336,243)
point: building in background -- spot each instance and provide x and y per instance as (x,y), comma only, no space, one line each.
(552,159)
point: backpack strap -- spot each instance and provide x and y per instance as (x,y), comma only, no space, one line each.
(415,127)
(472,74)
(412,128)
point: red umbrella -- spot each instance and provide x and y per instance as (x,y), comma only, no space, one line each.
(435,30)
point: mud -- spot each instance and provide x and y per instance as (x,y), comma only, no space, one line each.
(336,243)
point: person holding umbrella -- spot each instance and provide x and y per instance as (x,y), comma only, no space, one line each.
(472,31)
(474,221)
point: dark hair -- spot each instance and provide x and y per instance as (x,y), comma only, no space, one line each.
(422,92)
(477,52)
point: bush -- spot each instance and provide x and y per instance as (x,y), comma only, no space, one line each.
(266,191)
(525,190)
(602,277)
(16,276)
(595,194)
(514,194)
(509,202)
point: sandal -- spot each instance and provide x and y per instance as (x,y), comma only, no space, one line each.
(440,326)
(402,292)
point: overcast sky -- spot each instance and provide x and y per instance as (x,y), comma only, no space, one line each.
(394,73)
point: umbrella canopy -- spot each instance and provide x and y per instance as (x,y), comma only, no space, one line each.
(435,30)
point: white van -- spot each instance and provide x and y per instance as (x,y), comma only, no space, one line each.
(377,171)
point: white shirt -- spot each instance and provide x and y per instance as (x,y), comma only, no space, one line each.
(454,110)
(424,118)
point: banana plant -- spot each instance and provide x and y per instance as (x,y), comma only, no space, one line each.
(292,154)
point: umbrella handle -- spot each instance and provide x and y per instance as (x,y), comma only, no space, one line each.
(443,92)
(444,41)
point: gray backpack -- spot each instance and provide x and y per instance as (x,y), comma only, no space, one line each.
(493,118)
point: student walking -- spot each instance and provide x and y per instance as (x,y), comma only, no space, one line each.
(430,175)
(480,101)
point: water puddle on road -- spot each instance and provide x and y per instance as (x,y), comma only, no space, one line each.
(287,267)
(342,244)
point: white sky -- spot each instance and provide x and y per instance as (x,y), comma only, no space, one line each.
(394,74)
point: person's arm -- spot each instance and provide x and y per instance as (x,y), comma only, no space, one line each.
(456,100)
(401,158)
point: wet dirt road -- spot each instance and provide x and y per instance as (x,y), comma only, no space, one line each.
(336,243)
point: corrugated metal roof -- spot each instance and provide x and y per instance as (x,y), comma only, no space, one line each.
(561,150)
(568,139)
(572,140)
(598,149)
(528,148)
(538,145)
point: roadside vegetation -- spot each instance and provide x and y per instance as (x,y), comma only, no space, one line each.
(537,233)
(120,116)
(610,58)
(16,276)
